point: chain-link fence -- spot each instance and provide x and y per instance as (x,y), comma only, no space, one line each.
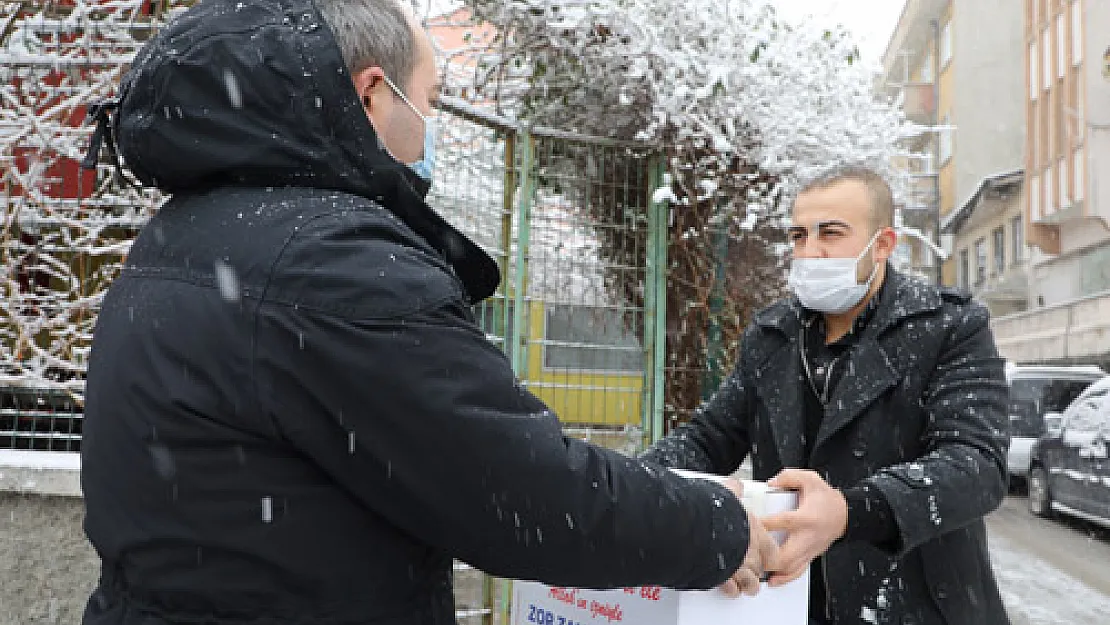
(581,248)
(570,221)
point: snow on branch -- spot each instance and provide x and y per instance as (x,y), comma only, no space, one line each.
(726,76)
(743,106)
(64,231)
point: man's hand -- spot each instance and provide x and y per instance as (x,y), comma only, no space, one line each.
(821,518)
(762,553)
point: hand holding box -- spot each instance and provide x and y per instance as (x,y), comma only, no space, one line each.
(539,604)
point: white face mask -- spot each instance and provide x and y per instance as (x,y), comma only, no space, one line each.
(829,285)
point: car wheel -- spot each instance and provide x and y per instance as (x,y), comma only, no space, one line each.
(1040,499)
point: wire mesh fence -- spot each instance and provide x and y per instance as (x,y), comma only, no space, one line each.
(39,419)
(567,218)
(581,248)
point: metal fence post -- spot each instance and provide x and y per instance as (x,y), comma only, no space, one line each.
(655,304)
(520,270)
(517,353)
(507,194)
(499,612)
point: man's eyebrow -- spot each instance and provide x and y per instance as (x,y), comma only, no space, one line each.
(832,222)
(821,224)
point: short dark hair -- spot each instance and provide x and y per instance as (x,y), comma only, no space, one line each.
(882,197)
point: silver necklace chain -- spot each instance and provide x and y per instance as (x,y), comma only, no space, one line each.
(822,394)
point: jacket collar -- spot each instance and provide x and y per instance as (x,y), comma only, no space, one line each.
(902,297)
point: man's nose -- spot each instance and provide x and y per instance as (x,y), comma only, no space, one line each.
(812,250)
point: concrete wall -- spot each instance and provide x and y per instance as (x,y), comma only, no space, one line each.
(1081,271)
(946,110)
(982,91)
(1053,280)
(989,92)
(48,568)
(1097,109)
(1077,333)
(946,98)
(999,289)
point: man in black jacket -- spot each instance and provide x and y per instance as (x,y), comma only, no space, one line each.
(291,415)
(882,399)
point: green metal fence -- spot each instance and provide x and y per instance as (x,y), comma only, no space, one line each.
(582,249)
(582,252)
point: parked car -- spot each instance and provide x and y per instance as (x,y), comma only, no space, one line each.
(1070,468)
(1034,391)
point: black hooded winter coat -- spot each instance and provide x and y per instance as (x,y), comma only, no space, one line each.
(291,415)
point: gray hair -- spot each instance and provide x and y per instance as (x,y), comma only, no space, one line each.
(373,33)
(882,197)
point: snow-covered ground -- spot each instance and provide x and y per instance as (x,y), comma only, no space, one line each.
(1050,572)
(1037,593)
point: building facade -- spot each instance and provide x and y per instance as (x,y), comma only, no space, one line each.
(957,67)
(990,253)
(1067,157)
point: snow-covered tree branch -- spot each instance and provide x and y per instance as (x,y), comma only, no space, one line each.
(64,231)
(744,106)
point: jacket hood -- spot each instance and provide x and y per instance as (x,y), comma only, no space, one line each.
(256,93)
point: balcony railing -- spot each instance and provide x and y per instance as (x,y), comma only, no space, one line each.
(1072,332)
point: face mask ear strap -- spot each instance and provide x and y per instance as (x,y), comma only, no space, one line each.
(874,270)
(405,98)
(875,267)
(915,233)
(870,245)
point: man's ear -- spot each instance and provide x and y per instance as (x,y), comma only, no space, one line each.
(370,85)
(885,244)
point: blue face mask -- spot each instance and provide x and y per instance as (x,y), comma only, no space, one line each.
(426,165)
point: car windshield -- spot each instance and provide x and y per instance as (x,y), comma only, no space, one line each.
(1031,398)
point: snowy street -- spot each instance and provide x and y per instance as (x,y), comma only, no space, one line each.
(1051,572)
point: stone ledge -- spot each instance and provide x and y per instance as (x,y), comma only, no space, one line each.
(54,473)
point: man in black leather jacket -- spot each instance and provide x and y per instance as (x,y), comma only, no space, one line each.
(883,400)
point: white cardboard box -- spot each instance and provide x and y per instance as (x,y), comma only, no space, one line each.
(539,604)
